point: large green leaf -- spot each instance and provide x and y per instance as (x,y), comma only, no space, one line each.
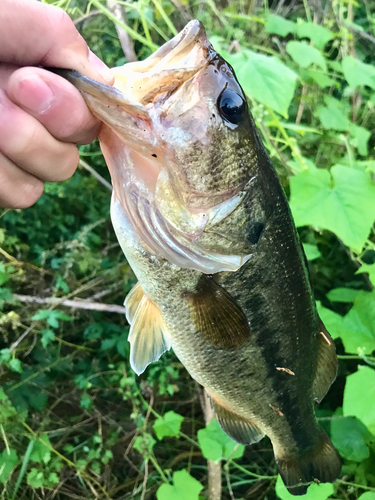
(332,117)
(369,495)
(311,251)
(7,462)
(265,79)
(304,55)
(330,200)
(358,73)
(184,487)
(359,396)
(358,328)
(314,492)
(318,34)
(168,425)
(349,436)
(370,270)
(332,321)
(41,451)
(279,25)
(343,294)
(360,138)
(216,444)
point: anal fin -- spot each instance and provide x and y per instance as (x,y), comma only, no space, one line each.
(326,369)
(243,430)
(148,335)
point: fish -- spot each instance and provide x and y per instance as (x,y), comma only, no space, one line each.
(203,221)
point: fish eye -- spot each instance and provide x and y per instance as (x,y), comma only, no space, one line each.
(231,106)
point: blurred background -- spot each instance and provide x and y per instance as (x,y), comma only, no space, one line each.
(75,421)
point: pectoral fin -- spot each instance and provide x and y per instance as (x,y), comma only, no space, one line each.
(243,430)
(326,369)
(148,335)
(216,315)
(132,301)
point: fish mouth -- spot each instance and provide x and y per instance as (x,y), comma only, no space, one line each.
(141,83)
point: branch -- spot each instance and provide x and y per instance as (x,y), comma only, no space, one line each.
(75,304)
(97,176)
(127,43)
(214,469)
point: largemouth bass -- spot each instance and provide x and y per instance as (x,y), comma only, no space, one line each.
(203,221)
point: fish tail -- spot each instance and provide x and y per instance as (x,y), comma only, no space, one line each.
(320,463)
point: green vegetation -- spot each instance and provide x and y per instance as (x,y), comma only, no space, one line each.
(75,421)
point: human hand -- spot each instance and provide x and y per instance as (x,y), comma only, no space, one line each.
(42,116)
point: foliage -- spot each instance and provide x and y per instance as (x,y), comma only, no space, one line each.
(75,421)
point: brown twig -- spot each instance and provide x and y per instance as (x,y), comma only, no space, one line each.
(214,469)
(75,304)
(127,43)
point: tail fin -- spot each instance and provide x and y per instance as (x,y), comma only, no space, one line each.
(321,463)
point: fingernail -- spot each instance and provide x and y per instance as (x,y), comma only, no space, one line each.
(102,68)
(34,94)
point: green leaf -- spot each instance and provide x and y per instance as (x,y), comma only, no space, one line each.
(279,25)
(332,321)
(51,316)
(321,78)
(7,463)
(348,435)
(329,200)
(93,331)
(41,452)
(144,444)
(184,487)
(358,384)
(314,492)
(358,330)
(216,444)
(61,284)
(35,478)
(265,79)
(312,251)
(304,55)
(15,365)
(86,402)
(369,269)
(358,73)
(168,425)
(343,294)
(360,138)
(47,337)
(332,117)
(369,495)
(318,34)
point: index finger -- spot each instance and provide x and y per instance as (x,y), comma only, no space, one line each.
(32,33)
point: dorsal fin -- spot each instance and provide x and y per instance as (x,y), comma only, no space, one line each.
(243,430)
(132,301)
(216,315)
(326,369)
(148,335)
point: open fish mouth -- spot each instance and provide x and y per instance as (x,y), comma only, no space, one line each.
(156,107)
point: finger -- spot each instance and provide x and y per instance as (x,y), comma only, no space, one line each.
(18,189)
(30,146)
(55,103)
(50,39)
